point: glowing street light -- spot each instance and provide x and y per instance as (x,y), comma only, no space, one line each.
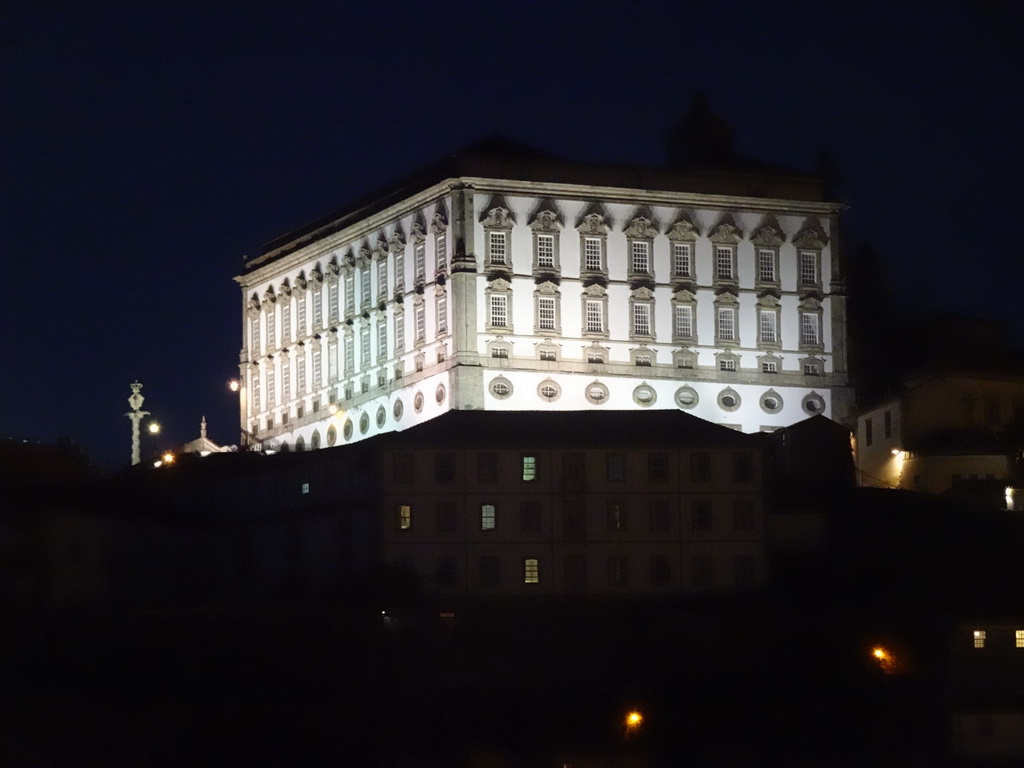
(885,659)
(233,385)
(154,428)
(634,719)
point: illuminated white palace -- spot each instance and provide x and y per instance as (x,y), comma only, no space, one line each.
(505,280)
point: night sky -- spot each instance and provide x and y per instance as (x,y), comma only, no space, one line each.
(147,147)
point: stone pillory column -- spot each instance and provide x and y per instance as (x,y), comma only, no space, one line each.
(135,416)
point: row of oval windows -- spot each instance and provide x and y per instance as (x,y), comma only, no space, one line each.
(686,397)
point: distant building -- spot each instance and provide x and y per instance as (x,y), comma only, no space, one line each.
(611,503)
(507,280)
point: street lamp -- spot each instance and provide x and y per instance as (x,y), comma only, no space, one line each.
(135,416)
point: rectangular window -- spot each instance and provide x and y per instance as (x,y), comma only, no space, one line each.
(727,364)
(445,517)
(400,271)
(402,467)
(531,570)
(548,354)
(498,252)
(659,518)
(657,467)
(490,571)
(683,321)
(364,347)
(441,253)
(546,251)
(641,257)
(592,254)
(399,332)
(499,310)
(887,424)
(301,320)
(271,329)
(727,324)
(488,517)
(618,571)
(595,316)
(382,340)
(529,468)
(661,571)
(979,638)
(642,319)
(501,352)
(529,517)
(421,323)
(301,373)
(616,468)
(256,340)
(442,313)
(700,467)
(769,326)
(350,295)
(318,308)
(257,406)
(420,261)
(769,366)
(812,369)
(546,313)
(332,360)
(286,322)
(364,286)
(701,516)
(766,266)
(743,516)
(404,517)
(869,432)
(616,517)
(643,360)
(682,260)
(382,279)
(318,367)
(723,262)
(1018,637)
(350,355)
(574,521)
(742,466)
(808,268)
(286,380)
(304,489)
(271,385)
(332,301)
(444,468)
(595,358)
(809,329)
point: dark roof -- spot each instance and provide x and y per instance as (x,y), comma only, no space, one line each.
(567,429)
(501,158)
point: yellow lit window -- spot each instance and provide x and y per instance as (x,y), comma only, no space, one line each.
(1019,636)
(531,571)
(979,638)
(404,517)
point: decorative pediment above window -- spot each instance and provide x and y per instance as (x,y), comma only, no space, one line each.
(810,304)
(269,297)
(642,293)
(365,252)
(315,275)
(419,230)
(727,299)
(641,227)
(546,220)
(769,234)
(593,223)
(439,221)
(499,284)
(397,242)
(439,289)
(595,291)
(254,303)
(725,231)
(498,216)
(684,296)
(332,267)
(811,235)
(286,288)
(768,301)
(300,281)
(683,229)
(547,288)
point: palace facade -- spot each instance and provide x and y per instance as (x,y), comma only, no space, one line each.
(506,280)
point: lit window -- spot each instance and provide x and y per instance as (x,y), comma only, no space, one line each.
(531,570)
(641,252)
(1018,637)
(305,490)
(529,468)
(808,268)
(979,638)
(592,254)
(545,251)
(682,260)
(723,262)
(769,327)
(404,517)
(498,253)
(683,327)
(499,309)
(546,313)
(488,517)
(642,319)
(727,324)
(809,329)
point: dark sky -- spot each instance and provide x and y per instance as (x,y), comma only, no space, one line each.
(146,147)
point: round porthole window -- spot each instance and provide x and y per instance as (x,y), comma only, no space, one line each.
(644,395)
(686,397)
(314,443)
(364,423)
(346,429)
(728,400)
(382,416)
(813,404)
(332,435)
(549,390)
(597,393)
(501,388)
(397,410)
(771,402)
(417,402)
(439,394)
